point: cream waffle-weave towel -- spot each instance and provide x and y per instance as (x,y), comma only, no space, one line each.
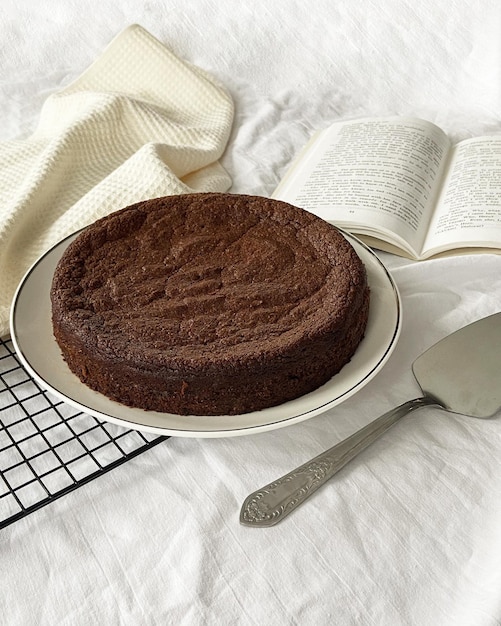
(139,123)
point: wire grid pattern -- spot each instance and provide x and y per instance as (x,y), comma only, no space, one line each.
(47,447)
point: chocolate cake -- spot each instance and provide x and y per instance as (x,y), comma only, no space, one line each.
(208,304)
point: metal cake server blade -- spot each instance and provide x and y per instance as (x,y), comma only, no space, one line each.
(461,374)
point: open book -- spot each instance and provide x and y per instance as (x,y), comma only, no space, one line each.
(401,185)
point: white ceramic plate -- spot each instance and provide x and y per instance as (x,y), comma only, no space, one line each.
(31,332)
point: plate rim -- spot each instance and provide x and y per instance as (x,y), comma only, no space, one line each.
(273,424)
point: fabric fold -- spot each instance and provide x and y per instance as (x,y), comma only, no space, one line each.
(138,123)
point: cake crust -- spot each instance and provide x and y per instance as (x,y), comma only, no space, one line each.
(208,304)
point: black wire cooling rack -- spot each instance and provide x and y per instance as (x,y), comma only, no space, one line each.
(48,448)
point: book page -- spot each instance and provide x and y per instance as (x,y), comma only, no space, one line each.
(469,207)
(372,176)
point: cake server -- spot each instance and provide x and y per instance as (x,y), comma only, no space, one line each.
(461,374)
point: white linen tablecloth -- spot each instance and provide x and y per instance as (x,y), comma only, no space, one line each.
(410,532)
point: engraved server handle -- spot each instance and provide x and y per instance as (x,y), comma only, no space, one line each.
(270,504)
